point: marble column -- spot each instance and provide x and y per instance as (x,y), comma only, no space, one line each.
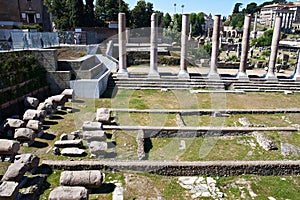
(122,45)
(183,73)
(245,47)
(153,73)
(296,75)
(274,49)
(215,49)
(255,26)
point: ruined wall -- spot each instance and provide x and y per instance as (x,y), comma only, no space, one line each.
(173,168)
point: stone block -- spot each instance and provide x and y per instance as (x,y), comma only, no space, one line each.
(30,159)
(31,102)
(69,193)
(264,141)
(31,114)
(88,179)
(59,99)
(94,136)
(73,151)
(34,125)
(68,143)
(98,149)
(69,93)
(91,126)
(13,123)
(103,115)
(9,147)
(15,172)
(9,190)
(24,134)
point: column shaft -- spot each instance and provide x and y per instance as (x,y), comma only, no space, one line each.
(122,45)
(274,49)
(153,73)
(215,48)
(245,47)
(183,73)
(296,75)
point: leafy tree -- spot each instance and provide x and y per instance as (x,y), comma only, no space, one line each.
(89,13)
(167,20)
(108,10)
(172,33)
(178,20)
(251,8)
(237,20)
(141,14)
(197,20)
(236,8)
(60,13)
(265,40)
(76,12)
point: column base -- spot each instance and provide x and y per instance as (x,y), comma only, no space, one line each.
(153,74)
(123,73)
(270,77)
(242,76)
(213,75)
(183,74)
(296,78)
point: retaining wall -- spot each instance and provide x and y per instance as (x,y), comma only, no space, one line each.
(173,168)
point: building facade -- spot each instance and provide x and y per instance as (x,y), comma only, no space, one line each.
(290,13)
(15,13)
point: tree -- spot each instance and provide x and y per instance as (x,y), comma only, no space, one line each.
(251,8)
(76,12)
(60,13)
(108,10)
(167,20)
(89,13)
(197,20)
(237,20)
(141,15)
(236,8)
(265,40)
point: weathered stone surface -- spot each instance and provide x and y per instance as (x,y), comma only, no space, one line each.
(98,148)
(140,139)
(52,102)
(31,102)
(34,125)
(24,134)
(31,114)
(264,141)
(59,99)
(69,193)
(245,122)
(73,151)
(68,143)
(91,126)
(94,136)
(65,136)
(45,106)
(69,93)
(15,172)
(9,190)
(9,147)
(88,179)
(103,115)
(289,149)
(13,123)
(31,160)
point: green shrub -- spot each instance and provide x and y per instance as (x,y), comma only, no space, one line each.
(169,60)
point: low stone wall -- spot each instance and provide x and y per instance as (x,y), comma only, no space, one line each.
(59,80)
(173,168)
(91,73)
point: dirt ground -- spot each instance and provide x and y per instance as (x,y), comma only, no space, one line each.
(69,54)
